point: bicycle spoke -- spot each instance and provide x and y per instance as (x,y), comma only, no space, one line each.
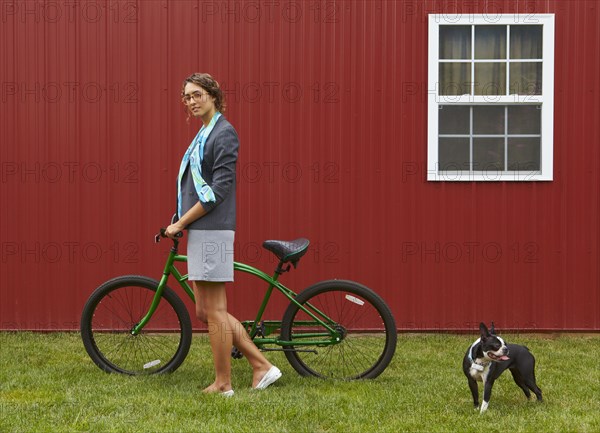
(363,350)
(118,306)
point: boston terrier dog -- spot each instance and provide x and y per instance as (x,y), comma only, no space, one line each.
(489,356)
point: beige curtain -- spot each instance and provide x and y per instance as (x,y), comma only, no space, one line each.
(490,43)
(526,43)
(455,44)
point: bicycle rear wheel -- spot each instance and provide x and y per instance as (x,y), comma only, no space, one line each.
(115,308)
(359,315)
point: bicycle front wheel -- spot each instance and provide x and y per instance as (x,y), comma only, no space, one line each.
(115,308)
(359,316)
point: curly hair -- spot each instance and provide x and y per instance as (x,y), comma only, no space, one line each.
(208,83)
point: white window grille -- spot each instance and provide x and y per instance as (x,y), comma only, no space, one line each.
(491,97)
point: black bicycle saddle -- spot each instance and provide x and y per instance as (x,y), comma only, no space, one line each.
(288,251)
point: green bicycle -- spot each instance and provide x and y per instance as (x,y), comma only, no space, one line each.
(334,329)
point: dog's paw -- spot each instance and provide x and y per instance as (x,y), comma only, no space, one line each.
(484,407)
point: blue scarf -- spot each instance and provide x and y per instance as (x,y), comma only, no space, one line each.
(194,156)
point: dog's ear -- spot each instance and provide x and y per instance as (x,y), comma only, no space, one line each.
(493,329)
(484,331)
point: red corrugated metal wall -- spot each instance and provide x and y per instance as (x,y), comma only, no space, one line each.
(329,99)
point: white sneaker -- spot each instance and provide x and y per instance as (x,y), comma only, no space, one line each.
(269,378)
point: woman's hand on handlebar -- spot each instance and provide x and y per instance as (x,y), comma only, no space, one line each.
(174,229)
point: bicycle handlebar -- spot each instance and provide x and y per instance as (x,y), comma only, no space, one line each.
(162,234)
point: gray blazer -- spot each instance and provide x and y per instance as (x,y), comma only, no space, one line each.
(218,170)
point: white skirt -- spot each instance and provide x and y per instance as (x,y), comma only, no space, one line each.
(210,255)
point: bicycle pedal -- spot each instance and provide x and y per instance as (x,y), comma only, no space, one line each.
(262,330)
(236,354)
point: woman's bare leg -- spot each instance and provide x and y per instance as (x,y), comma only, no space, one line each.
(211,308)
(224,331)
(260,365)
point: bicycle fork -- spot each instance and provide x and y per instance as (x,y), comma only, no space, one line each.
(155,302)
(169,268)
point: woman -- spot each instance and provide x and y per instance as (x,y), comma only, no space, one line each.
(206,208)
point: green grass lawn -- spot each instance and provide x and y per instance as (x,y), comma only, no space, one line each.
(48,383)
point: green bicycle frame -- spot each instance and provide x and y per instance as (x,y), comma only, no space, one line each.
(304,339)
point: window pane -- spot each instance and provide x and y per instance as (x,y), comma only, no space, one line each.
(455,78)
(490,78)
(455,42)
(525,42)
(526,78)
(454,119)
(488,119)
(524,154)
(454,154)
(524,119)
(488,154)
(490,42)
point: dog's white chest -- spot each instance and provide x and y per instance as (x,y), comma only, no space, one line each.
(479,372)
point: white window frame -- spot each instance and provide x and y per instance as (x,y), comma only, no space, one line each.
(546,99)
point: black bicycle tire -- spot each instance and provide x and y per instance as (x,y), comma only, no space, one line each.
(367,295)
(179,308)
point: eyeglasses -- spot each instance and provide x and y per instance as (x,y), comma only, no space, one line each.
(197,96)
